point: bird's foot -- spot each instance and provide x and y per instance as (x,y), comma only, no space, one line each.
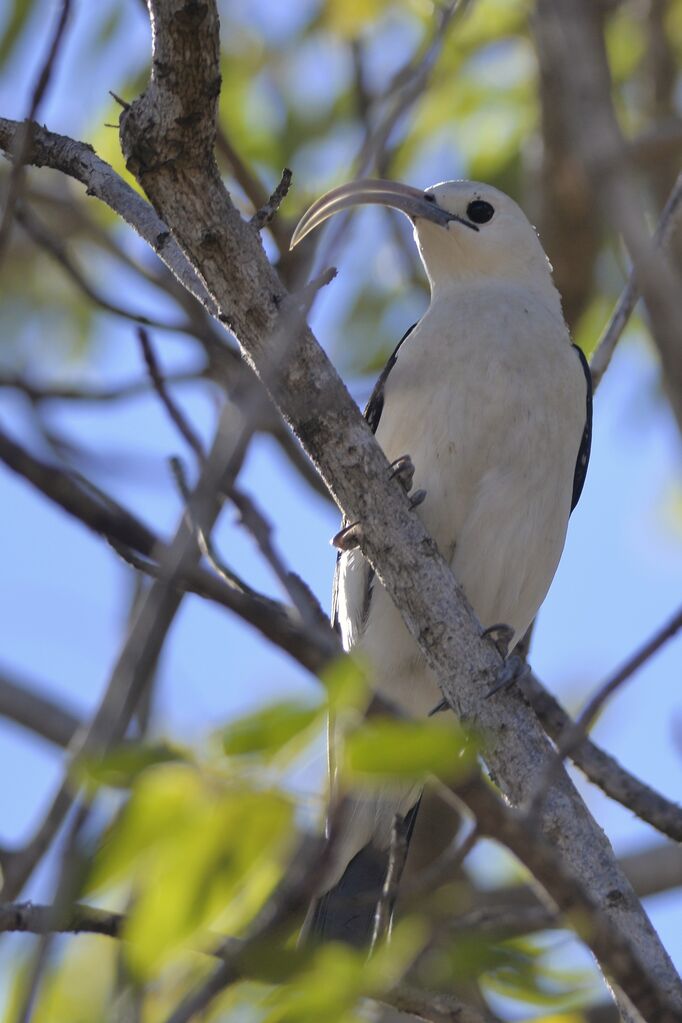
(513,669)
(402,469)
(348,538)
(443,705)
(501,635)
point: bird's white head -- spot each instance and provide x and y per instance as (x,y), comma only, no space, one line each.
(466,232)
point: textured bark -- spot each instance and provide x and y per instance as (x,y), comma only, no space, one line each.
(167,136)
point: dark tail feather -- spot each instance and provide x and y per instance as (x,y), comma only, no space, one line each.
(346,912)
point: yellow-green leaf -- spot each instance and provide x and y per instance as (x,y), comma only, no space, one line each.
(386,748)
(269,730)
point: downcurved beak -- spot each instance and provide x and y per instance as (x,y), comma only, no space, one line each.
(411,201)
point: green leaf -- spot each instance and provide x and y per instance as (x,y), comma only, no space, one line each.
(216,869)
(199,850)
(386,748)
(269,730)
(346,683)
(330,987)
(123,765)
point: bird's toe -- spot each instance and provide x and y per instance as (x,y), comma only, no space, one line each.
(402,469)
(513,669)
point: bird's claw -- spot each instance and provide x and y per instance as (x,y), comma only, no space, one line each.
(443,705)
(402,469)
(513,669)
(348,538)
(501,635)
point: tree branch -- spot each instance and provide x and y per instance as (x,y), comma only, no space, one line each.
(313,649)
(24,705)
(602,769)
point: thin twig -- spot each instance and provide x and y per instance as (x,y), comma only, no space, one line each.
(602,769)
(301,595)
(159,383)
(24,137)
(266,212)
(630,294)
(21,703)
(574,736)
(441,871)
(38,393)
(397,855)
(205,543)
(59,252)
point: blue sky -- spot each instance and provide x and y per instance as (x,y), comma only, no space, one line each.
(65,596)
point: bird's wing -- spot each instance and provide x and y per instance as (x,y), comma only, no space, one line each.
(586,442)
(372,414)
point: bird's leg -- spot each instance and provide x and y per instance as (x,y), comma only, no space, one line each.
(501,636)
(403,469)
(513,667)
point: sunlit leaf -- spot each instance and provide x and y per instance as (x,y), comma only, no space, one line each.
(121,766)
(269,730)
(79,987)
(329,990)
(346,683)
(200,851)
(387,748)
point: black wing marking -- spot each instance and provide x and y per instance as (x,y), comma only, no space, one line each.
(375,405)
(372,414)
(586,443)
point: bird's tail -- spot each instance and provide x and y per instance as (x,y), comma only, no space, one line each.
(346,912)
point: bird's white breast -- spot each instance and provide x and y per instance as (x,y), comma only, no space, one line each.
(488,398)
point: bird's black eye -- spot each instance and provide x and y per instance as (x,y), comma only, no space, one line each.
(480,211)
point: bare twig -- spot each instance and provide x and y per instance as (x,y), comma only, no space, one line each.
(630,294)
(59,252)
(651,997)
(206,545)
(434,1006)
(159,383)
(564,28)
(441,870)
(577,732)
(138,656)
(602,769)
(302,597)
(263,216)
(37,919)
(397,855)
(23,140)
(37,393)
(21,703)
(406,87)
(127,534)
(79,160)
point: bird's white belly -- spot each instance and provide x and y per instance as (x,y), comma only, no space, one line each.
(493,426)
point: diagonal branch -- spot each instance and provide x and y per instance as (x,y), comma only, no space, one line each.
(602,769)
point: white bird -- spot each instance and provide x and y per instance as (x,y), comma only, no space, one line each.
(493,403)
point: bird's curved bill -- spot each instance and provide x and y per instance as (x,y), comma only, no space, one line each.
(410,201)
